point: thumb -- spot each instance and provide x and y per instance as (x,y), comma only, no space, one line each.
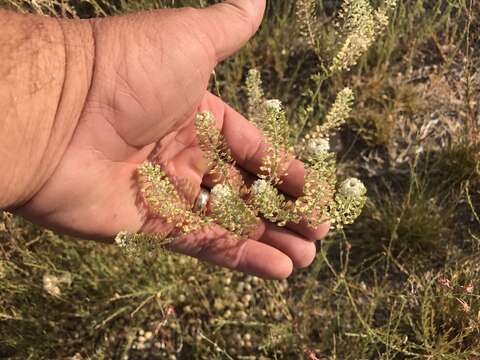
(230,24)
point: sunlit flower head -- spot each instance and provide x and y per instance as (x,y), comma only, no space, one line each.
(317,146)
(352,187)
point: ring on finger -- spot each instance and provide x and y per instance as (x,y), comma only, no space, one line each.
(201,201)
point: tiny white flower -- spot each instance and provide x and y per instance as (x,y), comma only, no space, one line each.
(273,104)
(317,146)
(220,191)
(121,239)
(50,284)
(260,186)
(352,187)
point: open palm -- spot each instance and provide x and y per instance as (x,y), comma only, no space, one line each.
(150,79)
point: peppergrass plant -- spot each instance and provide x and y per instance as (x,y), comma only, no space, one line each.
(402,282)
(237,207)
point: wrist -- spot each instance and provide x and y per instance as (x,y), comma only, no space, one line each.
(49,65)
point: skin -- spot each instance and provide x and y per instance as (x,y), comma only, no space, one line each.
(106,95)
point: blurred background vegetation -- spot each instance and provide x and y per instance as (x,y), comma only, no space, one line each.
(402,283)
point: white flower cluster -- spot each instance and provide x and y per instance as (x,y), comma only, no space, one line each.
(260,187)
(51,283)
(122,239)
(352,188)
(361,25)
(220,191)
(316,146)
(273,104)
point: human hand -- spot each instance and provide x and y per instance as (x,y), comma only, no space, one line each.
(150,77)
